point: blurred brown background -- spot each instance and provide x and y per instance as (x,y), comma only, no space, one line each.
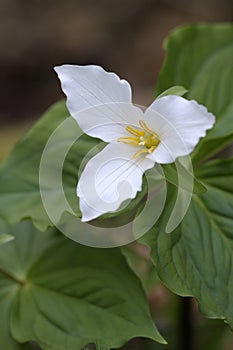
(124,36)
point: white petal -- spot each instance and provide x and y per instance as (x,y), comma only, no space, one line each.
(100,101)
(179,123)
(109,178)
(108,121)
(88,86)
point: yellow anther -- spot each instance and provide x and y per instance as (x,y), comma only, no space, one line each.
(146,128)
(134,131)
(146,138)
(144,150)
(129,140)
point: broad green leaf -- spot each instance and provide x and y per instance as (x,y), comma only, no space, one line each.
(19,183)
(197,258)
(170,172)
(19,175)
(199,57)
(63,295)
(8,291)
(210,148)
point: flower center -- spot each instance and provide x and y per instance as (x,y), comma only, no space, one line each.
(144,137)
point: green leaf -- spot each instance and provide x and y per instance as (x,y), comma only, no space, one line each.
(174,90)
(63,294)
(170,172)
(196,259)
(8,292)
(199,57)
(211,148)
(19,182)
(19,175)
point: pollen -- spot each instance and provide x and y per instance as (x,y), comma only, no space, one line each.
(143,136)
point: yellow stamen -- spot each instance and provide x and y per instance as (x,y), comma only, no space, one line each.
(144,150)
(144,137)
(129,140)
(134,131)
(145,127)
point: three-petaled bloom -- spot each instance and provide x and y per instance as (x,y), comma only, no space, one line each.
(102,105)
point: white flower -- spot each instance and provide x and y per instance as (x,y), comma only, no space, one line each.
(102,105)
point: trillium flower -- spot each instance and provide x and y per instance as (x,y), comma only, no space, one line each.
(101,103)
